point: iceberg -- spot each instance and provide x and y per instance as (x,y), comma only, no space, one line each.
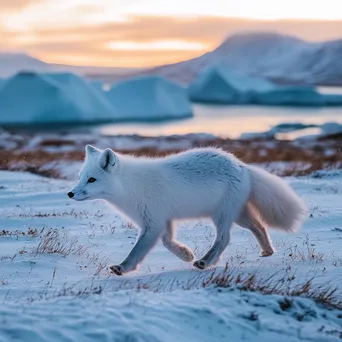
(331,128)
(333,99)
(98,85)
(290,96)
(149,98)
(219,85)
(326,131)
(279,131)
(213,86)
(81,88)
(100,88)
(296,96)
(32,98)
(291,127)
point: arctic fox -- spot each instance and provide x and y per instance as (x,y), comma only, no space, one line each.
(204,182)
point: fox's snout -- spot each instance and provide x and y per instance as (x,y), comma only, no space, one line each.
(78,194)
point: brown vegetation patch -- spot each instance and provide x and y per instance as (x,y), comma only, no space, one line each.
(324,153)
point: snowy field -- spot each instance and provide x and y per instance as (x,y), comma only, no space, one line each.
(54,283)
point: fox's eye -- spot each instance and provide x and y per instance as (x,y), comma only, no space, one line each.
(91,180)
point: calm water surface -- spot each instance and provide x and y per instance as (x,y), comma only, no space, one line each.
(229,121)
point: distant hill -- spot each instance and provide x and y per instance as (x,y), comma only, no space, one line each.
(12,63)
(277,57)
(281,58)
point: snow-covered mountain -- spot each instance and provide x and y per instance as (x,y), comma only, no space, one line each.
(278,57)
(281,58)
(12,63)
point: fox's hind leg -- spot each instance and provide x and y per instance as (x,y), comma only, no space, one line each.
(181,251)
(227,211)
(223,222)
(249,220)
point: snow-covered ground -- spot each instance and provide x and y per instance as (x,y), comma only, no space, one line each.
(54,285)
(210,315)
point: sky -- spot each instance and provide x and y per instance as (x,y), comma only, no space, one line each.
(142,33)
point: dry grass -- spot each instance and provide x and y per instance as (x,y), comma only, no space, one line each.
(3,281)
(68,291)
(229,278)
(315,155)
(54,241)
(310,253)
(31,232)
(322,294)
(71,213)
(306,252)
(8,257)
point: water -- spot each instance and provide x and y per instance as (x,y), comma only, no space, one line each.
(330,90)
(229,121)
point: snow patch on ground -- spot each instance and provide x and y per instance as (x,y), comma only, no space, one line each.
(55,251)
(202,315)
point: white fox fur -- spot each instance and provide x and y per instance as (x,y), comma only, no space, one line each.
(197,183)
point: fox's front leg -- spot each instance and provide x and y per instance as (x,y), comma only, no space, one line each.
(147,239)
(181,251)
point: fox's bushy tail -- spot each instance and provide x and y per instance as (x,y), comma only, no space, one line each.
(275,202)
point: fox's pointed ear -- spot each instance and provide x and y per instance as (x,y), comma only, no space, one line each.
(91,149)
(108,159)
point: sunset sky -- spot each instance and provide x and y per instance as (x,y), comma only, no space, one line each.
(132,33)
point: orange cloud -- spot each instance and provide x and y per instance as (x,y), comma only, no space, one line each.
(95,43)
(13,5)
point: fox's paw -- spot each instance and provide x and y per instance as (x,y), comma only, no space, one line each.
(117,269)
(266,253)
(187,254)
(201,264)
